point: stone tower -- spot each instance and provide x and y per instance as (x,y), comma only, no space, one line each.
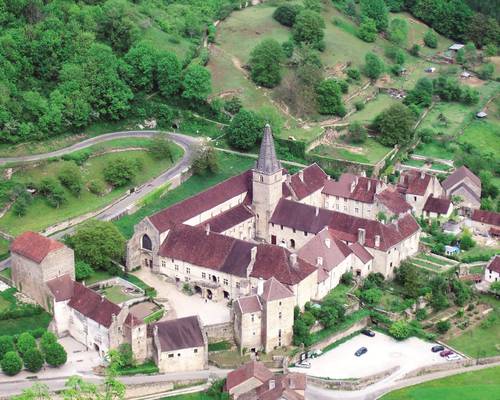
(267,185)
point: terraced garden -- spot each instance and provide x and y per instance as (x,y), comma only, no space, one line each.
(432,262)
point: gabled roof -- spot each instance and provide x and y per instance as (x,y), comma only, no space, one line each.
(459,175)
(34,246)
(313,179)
(230,218)
(61,287)
(267,163)
(350,186)
(465,186)
(437,205)
(249,304)
(360,252)
(494,264)
(180,333)
(393,200)
(274,290)
(252,369)
(486,217)
(414,182)
(203,201)
(300,216)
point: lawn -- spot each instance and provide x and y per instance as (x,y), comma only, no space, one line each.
(474,385)
(40,215)
(115,294)
(484,135)
(455,114)
(98,276)
(7,272)
(4,248)
(373,108)
(20,325)
(230,165)
(434,259)
(425,264)
(434,150)
(482,340)
(414,163)
(369,152)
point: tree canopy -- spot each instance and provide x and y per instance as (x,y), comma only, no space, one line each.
(395,125)
(245,128)
(265,61)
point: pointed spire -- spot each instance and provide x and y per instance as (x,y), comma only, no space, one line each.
(267,162)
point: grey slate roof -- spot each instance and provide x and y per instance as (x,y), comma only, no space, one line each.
(267,163)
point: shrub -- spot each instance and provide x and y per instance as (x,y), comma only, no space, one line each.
(82,270)
(48,338)
(421,314)
(119,172)
(33,360)
(285,14)
(359,105)
(371,296)
(443,326)
(79,157)
(71,177)
(354,74)
(6,345)
(52,191)
(346,278)
(161,148)
(400,330)
(430,39)
(55,355)
(11,363)
(96,187)
(415,50)
(25,342)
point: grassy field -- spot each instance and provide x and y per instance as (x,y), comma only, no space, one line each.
(40,215)
(434,150)
(474,385)
(230,165)
(373,108)
(370,152)
(485,135)
(115,294)
(455,114)
(98,276)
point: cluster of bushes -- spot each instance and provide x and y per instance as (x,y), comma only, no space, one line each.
(24,350)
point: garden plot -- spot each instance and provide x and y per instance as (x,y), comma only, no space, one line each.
(432,262)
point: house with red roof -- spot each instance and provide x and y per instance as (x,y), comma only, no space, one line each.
(492,270)
(437,207)
(486,223)
(466,185)
(417,186)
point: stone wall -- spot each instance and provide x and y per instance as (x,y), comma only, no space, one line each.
(340,335)
(218,332)
(350,384)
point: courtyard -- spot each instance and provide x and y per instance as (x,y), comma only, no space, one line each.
(383,353)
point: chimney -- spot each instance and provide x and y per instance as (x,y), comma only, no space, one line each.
(369,184)
(317,211)
(422,174)
(361,236)
(207,229)
(377,240)
(319,261)
(293,259)
(253,253)
(353,186)
(301,175)
(328,243)
(260,286)
(272,384)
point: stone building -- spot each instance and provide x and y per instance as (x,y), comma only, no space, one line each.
(492,270)
(486,223)
(264,321)
(36,260)
(463,183)
(417,187)
(436,207)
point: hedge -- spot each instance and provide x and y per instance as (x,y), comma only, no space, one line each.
(218,346)
(148,367)
(296,148)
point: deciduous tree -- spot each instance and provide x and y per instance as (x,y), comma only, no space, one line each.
(264,63)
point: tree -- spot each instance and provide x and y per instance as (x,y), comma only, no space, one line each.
(329,98)
(119,172)
(6,345)
(443,326)
(71,177)
(395,125)
(398,31)
(439,289)
(264,63)
(11,363)
(376,10)
(373,67)
(309,28)
(331,313)
(346,278)
(115,27)
(38,391)
(33,360)
(161,148)
(415,50)
(495,287)
(368,30)
(244,129)
(98,243)
(205,161)
(52,191)
(466,241)
(55,355)
(141,65)
(46,340)
(407,275)
(371,296)
(83,270)
(486,71)
(430,39)
(396,54)
(400,330)
(25,342)
(197,83)
(357,132)
(168,71)
(286,14)
(421,94)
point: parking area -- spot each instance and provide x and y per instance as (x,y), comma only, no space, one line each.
(383,353)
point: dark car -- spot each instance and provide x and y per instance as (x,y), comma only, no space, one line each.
(368,332)
(437,348)
(360,351)
(445,353)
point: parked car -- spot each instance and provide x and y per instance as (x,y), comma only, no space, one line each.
(453,357)
(314,353)
(360,351)
(437,348)
(368,332)
(303,364)
(446,353)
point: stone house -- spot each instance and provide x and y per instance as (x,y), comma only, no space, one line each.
(264,321)
(436,207)
(36,260)
(463,183)
(492,270)
(485,223)
(417,186)
(180,345)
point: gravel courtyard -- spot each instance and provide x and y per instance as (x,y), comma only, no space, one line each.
(383,353)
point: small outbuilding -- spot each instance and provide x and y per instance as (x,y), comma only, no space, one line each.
(456,47)
(481,114)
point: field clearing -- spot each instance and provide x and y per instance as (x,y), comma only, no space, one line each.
(455,114)
(370,152)
(40,215)
(474,385)
(306,134)
(485,135)
(373,108)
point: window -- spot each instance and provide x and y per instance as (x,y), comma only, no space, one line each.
(279,303)
(253,318)
(186,279)
(415,198)
(203,275)
(226,282)
(196,350)
(178,354)
(146,243)
(188,270)
(337,198)
(237,285)
(279,315)
(305,233)
(261,178)
(170,356)
(272,224)
(345,208)
(279,333)
(294,230)
(292,243)
(337,206)
(176,268)
(281,226)
(163,263)
(356,210)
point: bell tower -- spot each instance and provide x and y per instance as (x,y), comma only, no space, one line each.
(267,185)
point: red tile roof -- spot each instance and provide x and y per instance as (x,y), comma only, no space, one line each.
(486,217)
(61,287)
(181,333)
(252,369)
(249,304)
(34,246)
(494,264)
(361,252)
(412,182)
(274,261)
(437,205)
(459,175)
(313,179)
(203,201)
(394,201)
(274,290)
(364,188)
(230,218)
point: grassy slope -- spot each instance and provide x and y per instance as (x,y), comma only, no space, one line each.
(40,215)
(230,165)
(372,151)
(475,385)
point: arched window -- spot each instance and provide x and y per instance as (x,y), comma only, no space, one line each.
(292,243)
(146,243)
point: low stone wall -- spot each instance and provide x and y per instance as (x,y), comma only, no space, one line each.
(150,389)
(340,335)
(116,281)
(451,365)
(219,332)
(350,384)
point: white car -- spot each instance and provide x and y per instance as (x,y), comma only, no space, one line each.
(453,357)
(303,364)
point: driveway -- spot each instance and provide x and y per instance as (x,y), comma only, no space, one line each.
(181,305)
(383,353)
